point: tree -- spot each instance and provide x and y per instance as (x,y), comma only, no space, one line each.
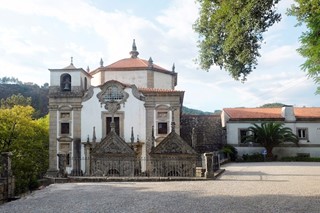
(230,33)
(15,100)
(28,140)
(269,135)
(272,105)
(308,12)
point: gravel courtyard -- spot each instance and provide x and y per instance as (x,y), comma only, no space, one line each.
(244,187)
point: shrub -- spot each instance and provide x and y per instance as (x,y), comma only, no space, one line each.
(231,151)
(255,157)
(300,159)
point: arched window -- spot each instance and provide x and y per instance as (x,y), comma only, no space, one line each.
(65,82)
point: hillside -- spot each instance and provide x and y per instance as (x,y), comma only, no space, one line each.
(39,95)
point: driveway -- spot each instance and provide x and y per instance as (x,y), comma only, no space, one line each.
(244,187)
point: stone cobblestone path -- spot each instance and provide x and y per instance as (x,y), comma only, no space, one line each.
(244,187)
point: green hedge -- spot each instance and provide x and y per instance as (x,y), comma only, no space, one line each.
(300,159)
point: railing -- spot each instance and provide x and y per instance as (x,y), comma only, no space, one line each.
(204,165)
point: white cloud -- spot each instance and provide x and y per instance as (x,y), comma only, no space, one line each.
(45,34)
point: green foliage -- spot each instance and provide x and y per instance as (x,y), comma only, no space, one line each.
(189,111)
(300,159)
(230,33)
(272,105)
(15,100)
(8,80)
(231,151)
(308,12)
(28,140)
(269,135)
(255,157)
(39,96)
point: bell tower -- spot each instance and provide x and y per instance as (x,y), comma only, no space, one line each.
(67,87)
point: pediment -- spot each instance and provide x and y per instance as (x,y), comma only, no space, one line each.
(113,144)
(173,144)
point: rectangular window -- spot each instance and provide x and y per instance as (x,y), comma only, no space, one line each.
(162,128)
(242,134)
(302,133)
(117,125)
(65,128)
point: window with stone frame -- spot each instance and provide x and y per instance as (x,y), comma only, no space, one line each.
(242,135)
(116,122)
(302,133)
(162,128)
(65,128)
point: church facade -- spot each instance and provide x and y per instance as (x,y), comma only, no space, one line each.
(120,111)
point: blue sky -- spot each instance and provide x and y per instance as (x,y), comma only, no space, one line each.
(36,35)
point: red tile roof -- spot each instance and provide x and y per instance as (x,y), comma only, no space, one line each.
(133,64)
(157,90)
(270,113)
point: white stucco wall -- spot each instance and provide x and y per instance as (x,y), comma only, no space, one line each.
(133,111)
(313,139)
(162,80)
(137,77)
(96,79)
(76,77)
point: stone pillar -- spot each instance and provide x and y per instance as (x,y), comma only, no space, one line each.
(52,170)
(87,155)
(76,158)
(150,106)
(6,174)
(62,165)
(6,164)
(207,164)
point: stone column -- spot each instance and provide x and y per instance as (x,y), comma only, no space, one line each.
(53,128)
(87,155)
(207,164)
(150,106)
(6,164)
(62,165)
(76,166)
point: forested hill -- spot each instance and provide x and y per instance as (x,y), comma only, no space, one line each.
(189,111)
(39,98)
(39,95)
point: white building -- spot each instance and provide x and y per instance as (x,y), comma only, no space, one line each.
(138,95)
(304,121)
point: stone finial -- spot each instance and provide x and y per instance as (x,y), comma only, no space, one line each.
(94,138)
(152,137)
(132,135)
(193,138)
(173,126)
(101,62)
(134,53)
(88,69)
(150,63)
(173,68)
(71,63)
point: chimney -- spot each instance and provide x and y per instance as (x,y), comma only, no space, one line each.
(287,112)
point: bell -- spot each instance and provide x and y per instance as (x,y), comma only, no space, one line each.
(66,86)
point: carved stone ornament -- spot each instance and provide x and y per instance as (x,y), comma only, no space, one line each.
(112,95)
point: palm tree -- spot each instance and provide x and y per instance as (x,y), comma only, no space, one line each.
(269,135)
